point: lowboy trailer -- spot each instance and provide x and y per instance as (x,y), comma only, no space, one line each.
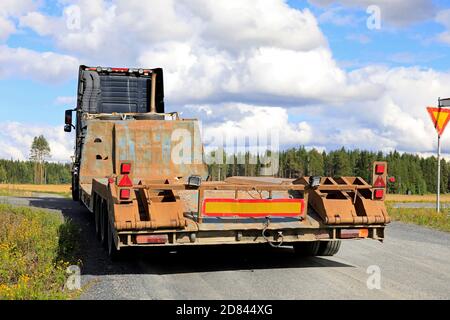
(127,172)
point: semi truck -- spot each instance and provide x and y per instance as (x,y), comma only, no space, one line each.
(141,172)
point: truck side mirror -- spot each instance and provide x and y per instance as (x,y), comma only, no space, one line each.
(68,121)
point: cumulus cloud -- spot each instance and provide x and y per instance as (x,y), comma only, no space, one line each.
(41,24)
(41,66)
(16,139)
(237,121)
(6,28)
(12,9)
(17,7)
(246,66)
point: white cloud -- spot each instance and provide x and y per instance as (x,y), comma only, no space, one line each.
(239,121)
(236,24)
(16,139)
(40,66)
(10,9)
(246,66)
(41,24)
(336,16)
(443,17)
(17,7)
(6,28)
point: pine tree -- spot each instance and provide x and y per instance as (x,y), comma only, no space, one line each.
(40,151)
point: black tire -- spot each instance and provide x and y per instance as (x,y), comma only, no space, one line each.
(113,253)
(307,249)
(329,248)
(75,189)
(104,224)
(97,215)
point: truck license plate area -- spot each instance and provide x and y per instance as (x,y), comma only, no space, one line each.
(254,208)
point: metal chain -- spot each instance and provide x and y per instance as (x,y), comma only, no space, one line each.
(272,243)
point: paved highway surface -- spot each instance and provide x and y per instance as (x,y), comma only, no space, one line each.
(414,264)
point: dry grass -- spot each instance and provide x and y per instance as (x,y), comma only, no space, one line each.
(422,217)
(29,190)
(58,188)
(416,198)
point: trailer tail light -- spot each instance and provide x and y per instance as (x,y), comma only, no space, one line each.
(354,233)
(379,183)
(119,69)
(379,180)
(363,233)
(125,168)
(379,169)
(125,181)
(125,194)
(379,194)
(152,238)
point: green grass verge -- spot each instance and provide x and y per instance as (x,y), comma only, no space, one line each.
(26,193)
(423,217)
(36,247)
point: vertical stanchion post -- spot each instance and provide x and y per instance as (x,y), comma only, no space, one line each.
(438,193)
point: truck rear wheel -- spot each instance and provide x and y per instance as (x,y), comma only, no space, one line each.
(113,253)
(104,224)
(75,189)
(307,249)
(329,248)
(97,215)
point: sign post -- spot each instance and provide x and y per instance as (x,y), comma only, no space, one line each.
(440,117)
(438,193)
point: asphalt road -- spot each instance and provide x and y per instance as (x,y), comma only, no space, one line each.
(414,263)
(416,205)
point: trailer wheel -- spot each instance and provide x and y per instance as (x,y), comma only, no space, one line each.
(329,248)
(307,249)
(104,224)
(113,253)
(97,215)
(75,189)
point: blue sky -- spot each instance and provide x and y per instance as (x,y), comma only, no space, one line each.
(358,69)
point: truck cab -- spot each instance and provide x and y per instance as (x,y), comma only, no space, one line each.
(110,93)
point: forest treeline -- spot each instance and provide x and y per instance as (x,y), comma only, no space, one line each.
(15,171)
(413,174)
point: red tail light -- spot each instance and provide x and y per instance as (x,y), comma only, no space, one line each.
(125,181)
(125,168)
(379,183)
(379,169)
(379,194)
(125,194)
(154,238)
